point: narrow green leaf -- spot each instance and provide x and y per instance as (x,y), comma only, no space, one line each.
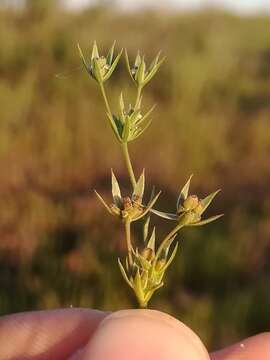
(96,71)
(139,76)
(127,263)
(207,201)
(113,66)
(114,127)
(128,64)
(168,263)
(148,207)
(148,295)
(138,60)
(121,104)
(206,221)
(154,288)
(139,187)
(165,215)
(124,273)
(126,130)
(146,228)
(83,59)
(95,54)
(153,72)
(184,192)
(154,62)
(152,241)
(138,286)
(146,115)
(109,57)
(144,263)
(134,114)
(103,202)
(141,130)
(167,248)
(116,193)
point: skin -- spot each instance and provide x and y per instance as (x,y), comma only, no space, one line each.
(81,334)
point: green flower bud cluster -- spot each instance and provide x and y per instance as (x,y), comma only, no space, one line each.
(145,273)
(144,269)
(139,73)
(189,208)
(130,123)
(127,208)
(100,67)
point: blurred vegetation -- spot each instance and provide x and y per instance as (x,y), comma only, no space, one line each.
(58,247)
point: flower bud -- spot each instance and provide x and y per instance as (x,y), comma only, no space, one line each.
(199,209)
(191,202)
(127,203)
(190,217)
(148,253)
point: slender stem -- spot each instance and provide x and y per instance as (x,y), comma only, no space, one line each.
(167,239)
(105,98)
(139,91)
(142,304)
(124,147)
(128,239)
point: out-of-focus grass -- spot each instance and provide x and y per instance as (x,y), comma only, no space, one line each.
(57,246)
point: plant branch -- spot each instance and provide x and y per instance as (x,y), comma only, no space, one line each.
(105,98)
(167,239)
(128,239)
(124,147)
(139,91)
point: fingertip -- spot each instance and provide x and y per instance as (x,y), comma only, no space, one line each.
(254,348)
(144,334)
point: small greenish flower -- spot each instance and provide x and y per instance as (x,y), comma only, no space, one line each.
(146,272)
(139,73)
(189,208)
(130,123)
(128,208)
(100,67)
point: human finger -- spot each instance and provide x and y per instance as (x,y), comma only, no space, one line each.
(254,348)
(143,334)
(43,335)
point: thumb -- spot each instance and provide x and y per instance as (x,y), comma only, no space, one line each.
(143,334)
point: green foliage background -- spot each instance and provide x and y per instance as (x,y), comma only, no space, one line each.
(58,246)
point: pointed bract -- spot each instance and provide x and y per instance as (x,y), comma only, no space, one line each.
(152,241)
(184,192)
(124,273)
(146,228)
(139,188)
(109,57)
(103,202)
(95,54)
(116,193)
(165,215)
(206,221)
(207,201)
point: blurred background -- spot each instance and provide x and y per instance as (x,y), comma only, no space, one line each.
(58,245)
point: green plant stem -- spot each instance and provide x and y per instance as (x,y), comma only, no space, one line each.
(128,239)
(167,239)
(124,147)
(105,98)
(143,305)
(139,91)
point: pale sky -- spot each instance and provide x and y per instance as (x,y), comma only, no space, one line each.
(243,6)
